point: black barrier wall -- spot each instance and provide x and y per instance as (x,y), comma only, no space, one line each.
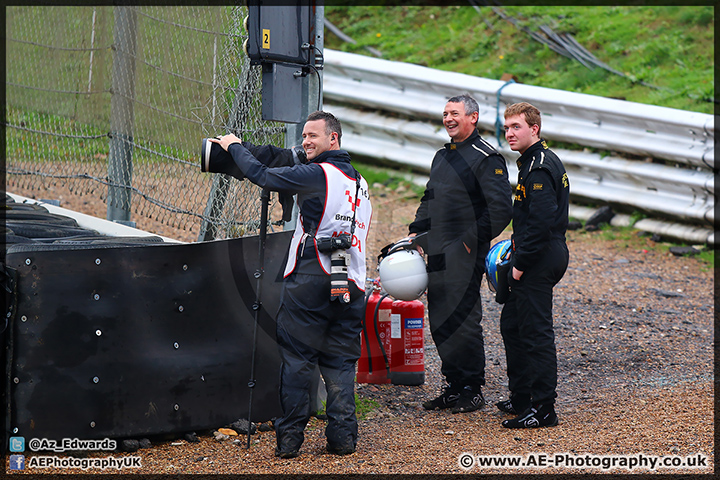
(120,342)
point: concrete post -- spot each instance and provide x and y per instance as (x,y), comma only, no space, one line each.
(122,114)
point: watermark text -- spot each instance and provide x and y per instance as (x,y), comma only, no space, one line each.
(468,461)
(70,444)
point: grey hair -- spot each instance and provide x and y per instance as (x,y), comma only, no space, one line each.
(471,106)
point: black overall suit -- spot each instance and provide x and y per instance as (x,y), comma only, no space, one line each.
(540,218)
(467,201)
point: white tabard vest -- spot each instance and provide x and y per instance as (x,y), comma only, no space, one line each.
(336,219)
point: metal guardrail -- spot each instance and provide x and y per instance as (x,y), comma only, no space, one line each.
(375,99)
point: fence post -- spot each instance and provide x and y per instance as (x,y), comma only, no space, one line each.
(122,114)
(312,96)
(312,101)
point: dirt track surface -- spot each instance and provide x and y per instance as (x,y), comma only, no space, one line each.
(634,334)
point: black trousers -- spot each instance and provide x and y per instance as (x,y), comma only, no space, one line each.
(312,330)
(526,323)
(455,314)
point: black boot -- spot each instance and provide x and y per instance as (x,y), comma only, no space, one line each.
(286,453)
(287,448)
(516,404)
(471,399)
(447,399)
(534,417)
(345,449)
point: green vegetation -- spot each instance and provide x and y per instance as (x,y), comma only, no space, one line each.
(25,144)
(628,235)
(636,216)
(707,257)
(363,406)
(392,179)
(670,48)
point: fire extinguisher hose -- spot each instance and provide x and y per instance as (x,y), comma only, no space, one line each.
(377,334)
(364,331)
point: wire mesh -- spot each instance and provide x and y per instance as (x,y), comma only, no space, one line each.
(112,102)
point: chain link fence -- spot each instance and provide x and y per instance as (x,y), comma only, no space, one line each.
(113,102)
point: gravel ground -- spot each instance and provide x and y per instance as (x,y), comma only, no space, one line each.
(634,327)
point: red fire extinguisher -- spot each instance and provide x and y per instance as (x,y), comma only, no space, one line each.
(374,362)
(407,346)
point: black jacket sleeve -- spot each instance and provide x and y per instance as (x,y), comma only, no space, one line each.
(542,205)
(495,186)
(271,155)
(422,219)
(303,179)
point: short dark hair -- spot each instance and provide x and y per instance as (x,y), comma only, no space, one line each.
(531,112)
(471,105)
(332,124)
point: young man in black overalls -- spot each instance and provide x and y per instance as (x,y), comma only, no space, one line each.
(539,259)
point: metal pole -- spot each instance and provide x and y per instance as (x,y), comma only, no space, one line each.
(259,273)
(318,392)
(122,114)
(293,136)
(312,94)
(319,42)
(92,50)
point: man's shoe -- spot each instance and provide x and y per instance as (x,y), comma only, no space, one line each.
(287,448)
(342,450)
(534,417)
(470,400)
(506,406)
(447,399)
(515,405)
(286,453)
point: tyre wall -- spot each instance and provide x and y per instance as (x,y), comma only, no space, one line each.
(120,341)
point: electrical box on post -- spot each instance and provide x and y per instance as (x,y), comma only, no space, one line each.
(282,93)
(278,33)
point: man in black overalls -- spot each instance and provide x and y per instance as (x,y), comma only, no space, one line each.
(467,203)
(539,259)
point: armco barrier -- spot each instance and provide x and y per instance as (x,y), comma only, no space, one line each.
(588,120)
(391,111)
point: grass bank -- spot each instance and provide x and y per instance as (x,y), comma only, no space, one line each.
(664,53)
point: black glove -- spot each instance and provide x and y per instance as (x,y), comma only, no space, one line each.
(504,274)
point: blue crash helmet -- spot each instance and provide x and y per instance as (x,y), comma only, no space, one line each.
(498,255)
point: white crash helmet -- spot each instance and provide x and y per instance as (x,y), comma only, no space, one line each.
(403,273)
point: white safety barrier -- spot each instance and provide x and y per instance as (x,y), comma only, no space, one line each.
(391,111)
